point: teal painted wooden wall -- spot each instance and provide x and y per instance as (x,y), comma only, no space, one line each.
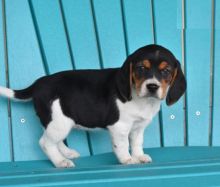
(41,37)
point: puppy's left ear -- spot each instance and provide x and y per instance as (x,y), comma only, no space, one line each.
(177,87)
(124,80)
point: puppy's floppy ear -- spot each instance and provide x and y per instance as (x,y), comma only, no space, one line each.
(177,87)
(124,80)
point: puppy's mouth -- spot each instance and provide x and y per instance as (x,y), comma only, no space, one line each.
(154,96)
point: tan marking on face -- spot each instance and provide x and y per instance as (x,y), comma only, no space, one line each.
(174,77)
(162,65)
(166,82)
(137,83)
(147,64)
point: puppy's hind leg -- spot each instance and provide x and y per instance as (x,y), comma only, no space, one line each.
(50,147)
(67,152)
(56,131)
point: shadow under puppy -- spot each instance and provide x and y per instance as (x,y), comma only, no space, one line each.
(123,100)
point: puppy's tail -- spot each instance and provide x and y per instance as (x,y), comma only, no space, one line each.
(17,95)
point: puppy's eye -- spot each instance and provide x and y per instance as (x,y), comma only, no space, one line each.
(165,72)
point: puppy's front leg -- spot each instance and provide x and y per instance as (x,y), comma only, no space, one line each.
(136,140)
(119,133)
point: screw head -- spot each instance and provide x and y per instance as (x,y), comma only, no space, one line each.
(172,116)
(198,113)
(23,120)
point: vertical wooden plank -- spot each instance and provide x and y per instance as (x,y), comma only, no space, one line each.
(169,35)
(83,42)
(24,56)
(110,32)
(216,93)
(138,22)
(57,55)
(4,126)
(52,35)
(81,32)
(198,34)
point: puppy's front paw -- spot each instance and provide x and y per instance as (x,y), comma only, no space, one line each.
(65,164)
(145,158)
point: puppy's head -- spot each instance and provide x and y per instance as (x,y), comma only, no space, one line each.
(152,71)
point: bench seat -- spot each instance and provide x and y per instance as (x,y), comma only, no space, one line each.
(191,166)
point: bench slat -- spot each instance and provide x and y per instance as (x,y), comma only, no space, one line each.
(168,169)
(55,46)
(81,32)
(166,20)
(25,65)
(216,93)
(110,32)
(139,33)
(198,32)
(4,126)
(162,157)
(52,35)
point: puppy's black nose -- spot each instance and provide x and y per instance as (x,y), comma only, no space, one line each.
(152,87)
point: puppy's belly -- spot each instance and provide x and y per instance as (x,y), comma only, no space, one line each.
(80,127)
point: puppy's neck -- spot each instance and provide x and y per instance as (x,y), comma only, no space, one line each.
(140,108)
(147,100)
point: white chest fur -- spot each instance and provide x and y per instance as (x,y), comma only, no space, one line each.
(138,109)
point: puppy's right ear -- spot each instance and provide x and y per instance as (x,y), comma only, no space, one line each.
(124,80)
(177,87)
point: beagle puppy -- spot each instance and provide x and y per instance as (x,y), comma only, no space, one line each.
(122,100)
